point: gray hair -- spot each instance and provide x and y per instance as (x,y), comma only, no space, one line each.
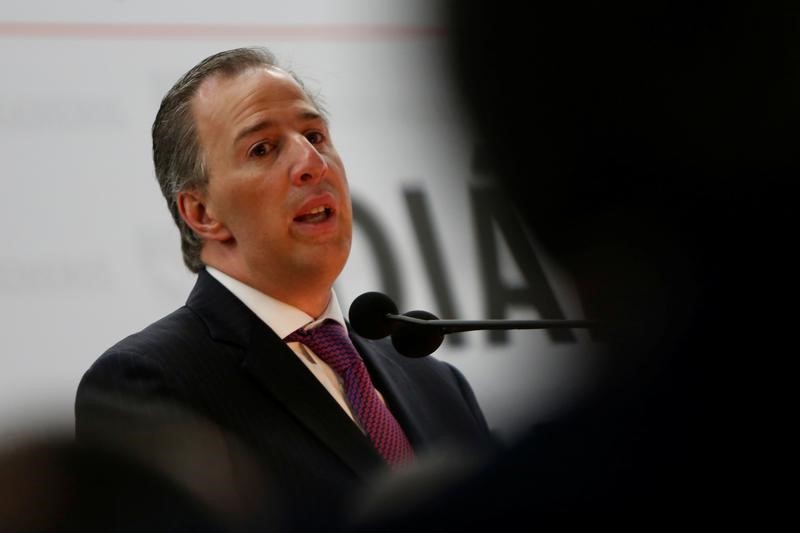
(177,155)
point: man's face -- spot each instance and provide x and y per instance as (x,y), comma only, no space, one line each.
(276,182)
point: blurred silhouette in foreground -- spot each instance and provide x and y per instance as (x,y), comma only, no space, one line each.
(650,148)
(52,484)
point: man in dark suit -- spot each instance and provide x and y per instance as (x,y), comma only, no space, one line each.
(245,160)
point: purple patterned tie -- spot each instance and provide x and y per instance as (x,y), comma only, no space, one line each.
(330,343)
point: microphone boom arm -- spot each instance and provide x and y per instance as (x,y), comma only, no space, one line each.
(457,326)
(418,333)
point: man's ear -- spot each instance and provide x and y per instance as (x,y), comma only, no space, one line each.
(194,211)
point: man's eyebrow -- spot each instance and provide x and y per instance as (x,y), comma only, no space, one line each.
(312,115)
(261,125)
(266,124)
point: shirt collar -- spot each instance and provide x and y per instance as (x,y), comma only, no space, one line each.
(280,316)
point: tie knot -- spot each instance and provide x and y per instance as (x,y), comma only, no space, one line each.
(330,342)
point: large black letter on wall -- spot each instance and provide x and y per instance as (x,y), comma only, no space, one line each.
(387,265)
(490,208)
(431,252)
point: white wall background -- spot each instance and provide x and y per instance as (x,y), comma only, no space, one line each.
(89,253)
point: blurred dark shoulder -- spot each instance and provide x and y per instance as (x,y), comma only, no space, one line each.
(651,149)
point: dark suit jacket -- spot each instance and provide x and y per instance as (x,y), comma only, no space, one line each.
(216,360)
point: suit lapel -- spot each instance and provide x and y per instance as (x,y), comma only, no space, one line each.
(277,369)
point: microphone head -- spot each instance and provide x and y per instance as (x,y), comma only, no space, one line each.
(413,340)
(368,315)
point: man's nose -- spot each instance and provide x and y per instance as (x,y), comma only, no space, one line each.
(308,165)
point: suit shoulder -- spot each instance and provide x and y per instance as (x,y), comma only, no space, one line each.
(426,371)
(162,345)
(426,365)
(180,330)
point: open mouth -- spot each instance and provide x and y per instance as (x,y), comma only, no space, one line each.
(315,216)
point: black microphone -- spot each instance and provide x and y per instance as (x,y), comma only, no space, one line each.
(419,333)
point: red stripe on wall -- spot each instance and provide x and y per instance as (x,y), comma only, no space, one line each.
(123,31)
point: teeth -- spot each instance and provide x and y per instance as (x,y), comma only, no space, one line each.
(318,214)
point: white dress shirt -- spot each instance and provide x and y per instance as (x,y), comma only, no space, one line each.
(285,319)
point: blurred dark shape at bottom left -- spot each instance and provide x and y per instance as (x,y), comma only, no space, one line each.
(54,484)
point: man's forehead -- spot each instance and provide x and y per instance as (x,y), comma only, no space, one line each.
(222,97)
(251,75)
(233,97)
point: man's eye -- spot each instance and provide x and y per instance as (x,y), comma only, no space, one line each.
(259,150)
(315,137)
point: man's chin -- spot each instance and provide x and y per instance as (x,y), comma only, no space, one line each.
(321,260)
